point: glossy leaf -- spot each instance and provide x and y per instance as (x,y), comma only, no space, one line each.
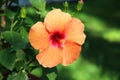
(7,58)
(15,39)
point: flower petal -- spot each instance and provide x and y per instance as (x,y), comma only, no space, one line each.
(74,31)
(50,57)
(56,20)
(38,36)
(71,52)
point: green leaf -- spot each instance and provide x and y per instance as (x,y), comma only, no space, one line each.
(29,21)
(15,39)
(18,76)
(37,72)
(39,4)
(19,65)
(24,34)
(20,55)
(7,58)
(52,76)
(10,14)
(20,60)
(1,76)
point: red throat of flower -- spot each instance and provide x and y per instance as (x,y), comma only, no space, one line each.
(56,38)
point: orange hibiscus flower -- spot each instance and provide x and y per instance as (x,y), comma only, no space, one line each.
(58,38)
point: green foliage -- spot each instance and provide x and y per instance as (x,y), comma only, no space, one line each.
(20,55)
(24,34)
(7,58)
(28,21)
(52,76)
(100,55)
(1,76)
(19,65)
(37,72)
(112,35)
(10,14)
(40,5)
(17,57)
(18,76)
(15,39)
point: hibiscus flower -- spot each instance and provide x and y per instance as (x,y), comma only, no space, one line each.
(59,39)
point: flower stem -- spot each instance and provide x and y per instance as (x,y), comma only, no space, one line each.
(12,25)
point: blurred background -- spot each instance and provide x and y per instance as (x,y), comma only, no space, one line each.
(100,56)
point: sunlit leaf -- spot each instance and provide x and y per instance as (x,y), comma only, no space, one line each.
(37,72)
(112,35)
(52,76)
(7,58)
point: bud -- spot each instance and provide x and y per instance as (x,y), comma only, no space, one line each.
(80,5)
(65,4)
(23,12)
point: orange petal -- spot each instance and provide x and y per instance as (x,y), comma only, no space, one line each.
(71,52)
(74,31)
(56,20)
(50,57)
(38,36)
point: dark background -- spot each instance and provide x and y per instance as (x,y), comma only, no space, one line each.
(100,57)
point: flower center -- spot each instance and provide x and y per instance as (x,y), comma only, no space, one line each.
(56,38)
